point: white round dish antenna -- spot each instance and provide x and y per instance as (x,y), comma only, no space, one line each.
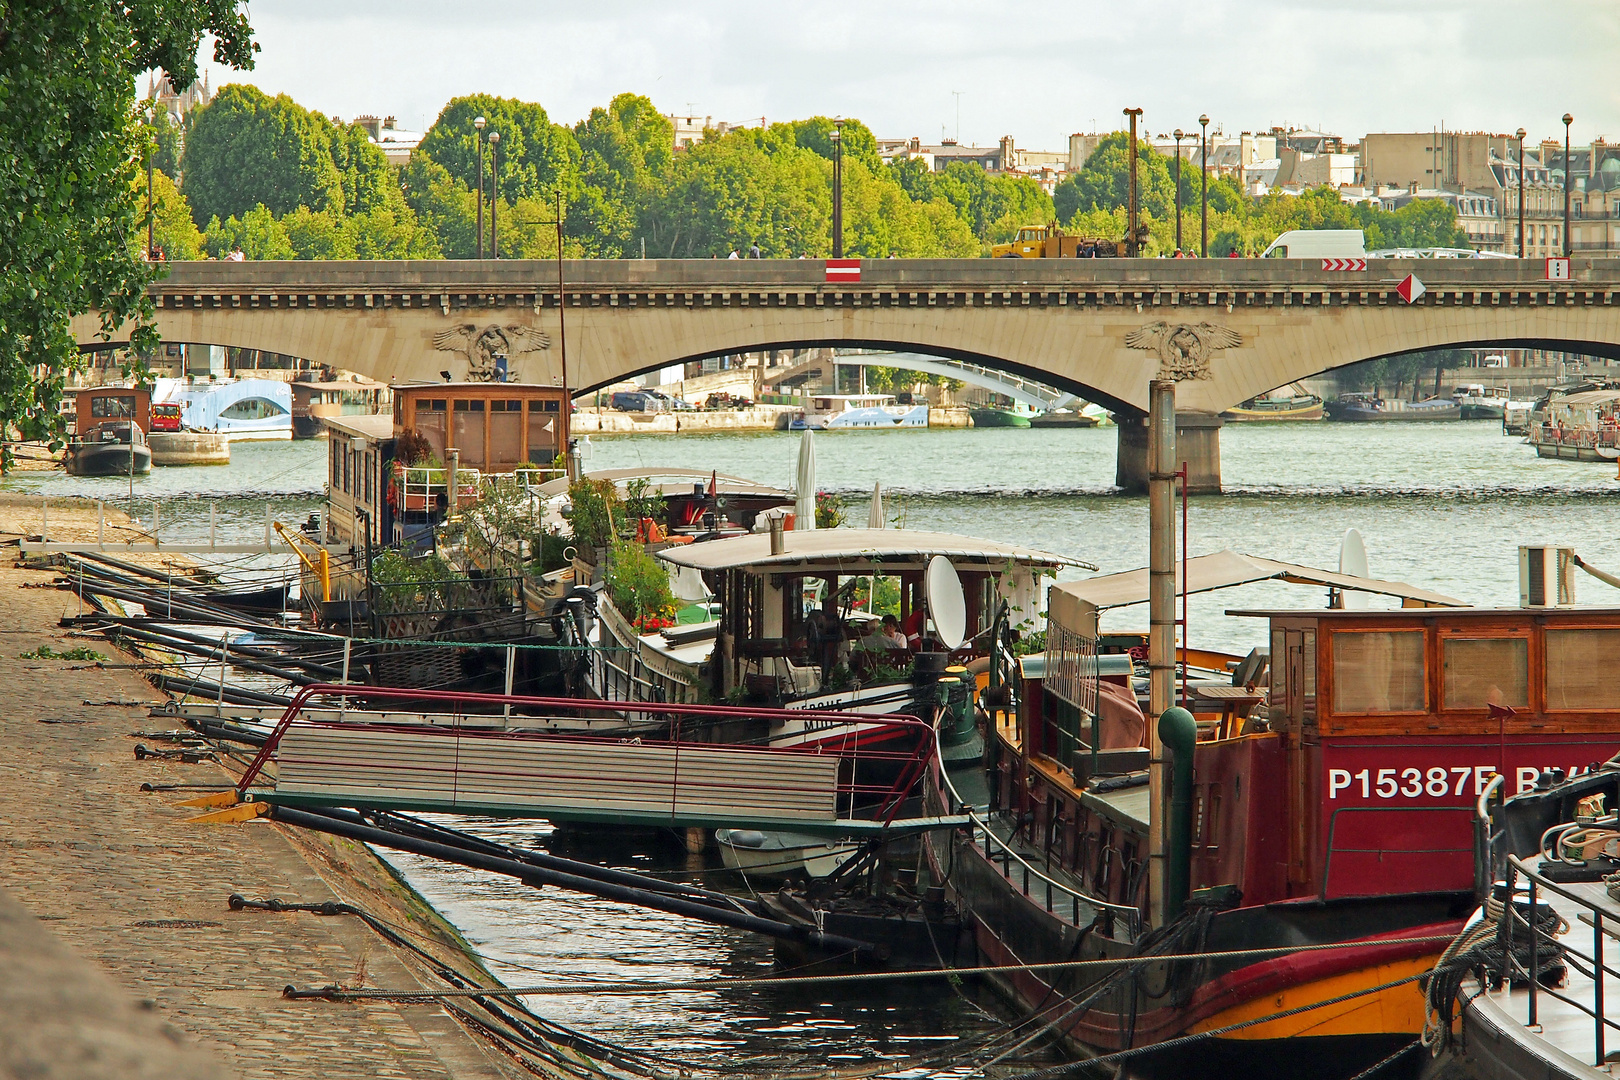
(946,604)
(1353,561)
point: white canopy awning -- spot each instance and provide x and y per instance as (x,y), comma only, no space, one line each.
(856,551)
(1222,570)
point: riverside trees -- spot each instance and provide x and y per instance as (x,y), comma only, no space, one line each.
(72,194)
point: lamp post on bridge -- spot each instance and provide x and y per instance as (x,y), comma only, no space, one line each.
(494,194)
(478,126)
(838,190)
(1203,168)
(1521,192)
(1178,134)
(1569,182)
(1133,247)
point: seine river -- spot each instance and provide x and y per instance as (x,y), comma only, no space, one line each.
(1443,506)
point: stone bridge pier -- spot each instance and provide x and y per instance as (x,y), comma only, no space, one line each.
(1198,446)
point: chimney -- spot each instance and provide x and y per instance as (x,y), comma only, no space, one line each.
(1412,188)
(778,541)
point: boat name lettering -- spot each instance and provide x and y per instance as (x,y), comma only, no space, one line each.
(1437,781)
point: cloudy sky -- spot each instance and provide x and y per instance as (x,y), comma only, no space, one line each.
(1034,70)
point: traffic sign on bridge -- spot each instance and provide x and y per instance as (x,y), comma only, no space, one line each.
(1410,288)
(1344,264)
(844,270)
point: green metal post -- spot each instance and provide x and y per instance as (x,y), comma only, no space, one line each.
(1178,732)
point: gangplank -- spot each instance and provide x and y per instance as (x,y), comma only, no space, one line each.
(840,785)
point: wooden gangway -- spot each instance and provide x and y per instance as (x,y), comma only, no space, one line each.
(834,787)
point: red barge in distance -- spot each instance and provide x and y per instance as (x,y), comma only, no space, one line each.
(1332,820)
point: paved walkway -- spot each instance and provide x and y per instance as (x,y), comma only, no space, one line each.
(122,885)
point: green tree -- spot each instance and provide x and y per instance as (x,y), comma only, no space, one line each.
(168,138)
(257,233)
(69,192)
(535,154)
(859,143)
(315,234)
(173,231)
(444,207)
(914,177)
(1104,182)
(363,172)
(992,206)
(626,152)
(727,192)
(247,149)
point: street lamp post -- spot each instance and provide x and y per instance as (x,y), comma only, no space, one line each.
(1203,168)
(478,125)
(1521,192)
(1569,181)
(494,194)
(838,190)
(1133,247)
(1178,134)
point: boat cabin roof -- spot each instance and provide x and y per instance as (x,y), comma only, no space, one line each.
(673,481)
(376,428)
(1223,570)
(1591,397)
(855,551)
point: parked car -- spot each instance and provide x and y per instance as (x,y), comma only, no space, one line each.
(633,401)
(723,399)
(669,402)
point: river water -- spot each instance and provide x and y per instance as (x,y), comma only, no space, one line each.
(1443,506)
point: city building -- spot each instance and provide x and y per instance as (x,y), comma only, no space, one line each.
(178,103)
(395,142)
(689,130)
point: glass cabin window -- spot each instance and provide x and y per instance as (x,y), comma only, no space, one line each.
(1378,671)
(1480,672)
(1579,675)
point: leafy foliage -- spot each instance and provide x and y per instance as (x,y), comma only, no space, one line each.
(830,510)
(593,508)
(78,652)
(73,148)
(639,585)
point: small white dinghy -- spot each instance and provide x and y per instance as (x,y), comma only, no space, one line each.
(782,854)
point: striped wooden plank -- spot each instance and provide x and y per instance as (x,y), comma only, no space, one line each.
(352,764)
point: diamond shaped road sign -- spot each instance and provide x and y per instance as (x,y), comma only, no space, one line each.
(1410,288)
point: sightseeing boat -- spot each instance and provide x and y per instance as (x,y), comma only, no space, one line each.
(1290,402)
(235,409)
(1579,426)
(847,412)
(1325,815)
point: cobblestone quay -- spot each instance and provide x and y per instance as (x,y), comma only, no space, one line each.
(118,954)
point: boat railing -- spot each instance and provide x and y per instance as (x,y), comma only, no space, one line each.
(1604,917)
(659,730)
(1056,895)
(427,487)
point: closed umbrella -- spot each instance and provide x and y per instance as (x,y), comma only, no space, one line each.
(874,516)
(804,510)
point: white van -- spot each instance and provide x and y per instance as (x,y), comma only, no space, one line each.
(1318,244)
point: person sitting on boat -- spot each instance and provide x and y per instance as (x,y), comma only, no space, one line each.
(890,630)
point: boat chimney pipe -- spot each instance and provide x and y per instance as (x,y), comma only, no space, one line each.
(1178,732)
(778,540)
(452,465)
(1161,619)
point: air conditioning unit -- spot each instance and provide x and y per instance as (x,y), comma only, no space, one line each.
(1546,575)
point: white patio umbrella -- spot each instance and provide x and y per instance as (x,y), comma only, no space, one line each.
(804,510)
(874,516)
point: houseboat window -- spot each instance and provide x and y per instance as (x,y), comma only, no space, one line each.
(542,436)
(348,468)
(434,404)
(1485,671)
(1378,671)
(370,494)
(468,431)
(506,433)
(430,424)
(335,469)
(120,406)
(1578,671)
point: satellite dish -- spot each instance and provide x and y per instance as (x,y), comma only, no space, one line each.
(1353,562)
(946,604)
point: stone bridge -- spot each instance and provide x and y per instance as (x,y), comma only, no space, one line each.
(1228,329)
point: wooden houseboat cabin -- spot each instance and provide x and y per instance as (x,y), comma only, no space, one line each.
(489,427)
(103,403)
(313,403)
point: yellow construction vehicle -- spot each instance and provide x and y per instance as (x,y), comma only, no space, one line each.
(1049,242)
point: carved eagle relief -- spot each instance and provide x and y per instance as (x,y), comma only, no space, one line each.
(480,345)
(1183,349)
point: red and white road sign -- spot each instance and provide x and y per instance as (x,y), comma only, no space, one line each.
(1410,288)
(1344,264)
(843,270)
(1557,269)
